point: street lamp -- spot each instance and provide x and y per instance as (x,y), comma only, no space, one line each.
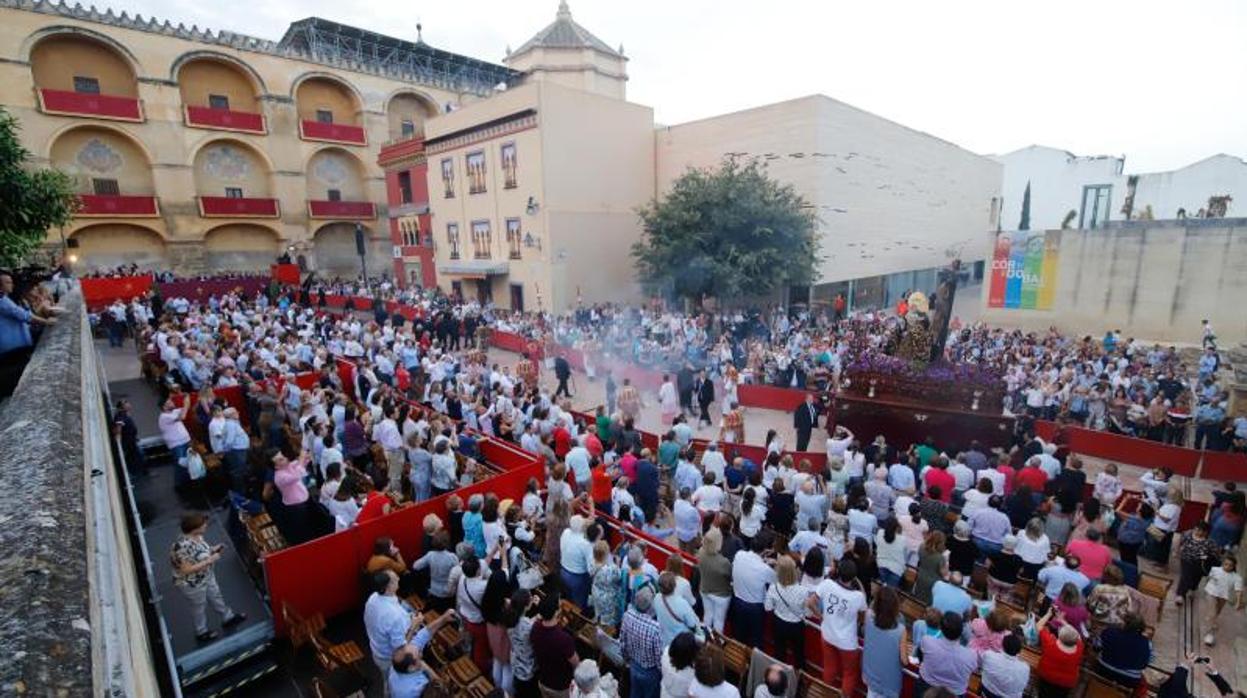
(359,248)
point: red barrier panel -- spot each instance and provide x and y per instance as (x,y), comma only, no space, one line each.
(770,397)
(1223,466)
(1183,461)
(100,292)
(1192,513)
(325,575)
(1045,430)
(320,576)
(509,341)
(1125,449)
(285,273)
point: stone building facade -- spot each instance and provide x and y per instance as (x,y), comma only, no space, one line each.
(201,151)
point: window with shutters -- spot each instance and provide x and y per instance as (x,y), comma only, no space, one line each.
(452,239)
(514,237)
(105,187)
(218,102)
(482,240)
(404,186)
(86,85)
(233,192)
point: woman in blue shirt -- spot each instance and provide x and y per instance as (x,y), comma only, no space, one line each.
(1132,529)
(674,614)
(885,638)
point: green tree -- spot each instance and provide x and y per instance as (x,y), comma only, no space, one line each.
(32,201)
(1024,223)
(727,232)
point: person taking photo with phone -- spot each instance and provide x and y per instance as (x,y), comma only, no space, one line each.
(192,559)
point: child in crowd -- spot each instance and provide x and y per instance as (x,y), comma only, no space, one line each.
(1224,582)
(1108,487)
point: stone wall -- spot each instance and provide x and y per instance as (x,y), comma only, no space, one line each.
(1154,280)
(71,619)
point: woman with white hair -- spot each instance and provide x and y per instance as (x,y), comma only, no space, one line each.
(588,682)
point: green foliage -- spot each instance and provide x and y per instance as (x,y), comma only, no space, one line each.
(727,232)
(32,201)
(1024,223)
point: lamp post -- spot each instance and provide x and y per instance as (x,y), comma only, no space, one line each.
(359,248)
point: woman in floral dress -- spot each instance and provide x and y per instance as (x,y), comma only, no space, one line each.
(605,595)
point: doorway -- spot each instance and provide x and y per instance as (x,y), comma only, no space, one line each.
(517,297)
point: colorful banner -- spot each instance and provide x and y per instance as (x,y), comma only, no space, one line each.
(1023,271)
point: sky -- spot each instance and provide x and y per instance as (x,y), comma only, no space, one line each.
(1160,82)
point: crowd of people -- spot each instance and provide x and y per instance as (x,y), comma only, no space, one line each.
(772,543)
(1117,384)
(25,311)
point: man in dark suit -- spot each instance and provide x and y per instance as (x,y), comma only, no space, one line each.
(684,384)
(703,388)
(562,371)
(645,488)
(804,420)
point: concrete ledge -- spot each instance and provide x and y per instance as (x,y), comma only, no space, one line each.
(45,630)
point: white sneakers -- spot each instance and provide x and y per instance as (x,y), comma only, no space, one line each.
(1209,639)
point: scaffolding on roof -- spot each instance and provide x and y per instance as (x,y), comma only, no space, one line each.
(325,41)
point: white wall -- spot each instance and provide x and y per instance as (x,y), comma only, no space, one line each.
(1056,178)
(1155,280)
(888,198)
(1190,187)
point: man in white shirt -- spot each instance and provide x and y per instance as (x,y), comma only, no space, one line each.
(234,446)
(838,443)
(809,538)
(709,497)
(387,434)
(216,430)
(687,521)
(901,478)
(577,460)
(963,476)
(751,575)
(842,605)
(713,462)
(177,439)
(389,624)
(1048,461)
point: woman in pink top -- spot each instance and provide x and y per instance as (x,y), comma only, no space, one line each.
(293,514)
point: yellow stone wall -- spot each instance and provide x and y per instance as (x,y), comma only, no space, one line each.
(167,73)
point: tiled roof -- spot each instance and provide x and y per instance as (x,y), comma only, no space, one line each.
(565,33)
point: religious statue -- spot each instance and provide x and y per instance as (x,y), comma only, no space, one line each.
(945,292)
(915,342)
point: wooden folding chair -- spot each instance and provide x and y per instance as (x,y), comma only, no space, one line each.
(1100,687)
(1156,587)
(461,672)
(736,657)
(345,653)
(812,687)
(909,579)
(912,608)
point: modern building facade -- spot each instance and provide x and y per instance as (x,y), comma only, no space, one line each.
(200,151)
(1072,191)
(893,204)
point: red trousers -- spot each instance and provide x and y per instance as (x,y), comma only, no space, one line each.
(481,656)
(843,667)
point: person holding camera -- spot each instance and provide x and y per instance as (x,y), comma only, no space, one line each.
(192,559)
